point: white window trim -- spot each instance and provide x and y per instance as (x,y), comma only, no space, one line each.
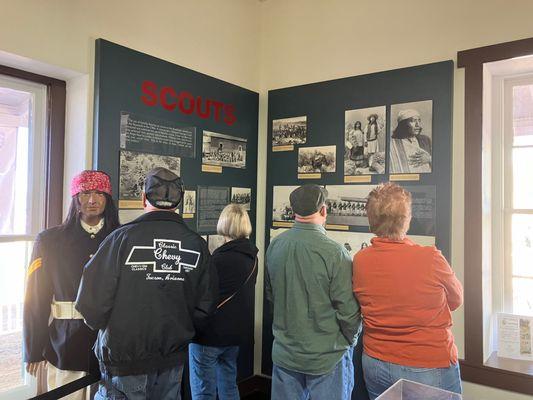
(495,276)
(38,147)
(36,192)
(508,209)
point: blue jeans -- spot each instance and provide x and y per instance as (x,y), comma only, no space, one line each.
(213,370)
(160,385)
(380,375)
(337,384)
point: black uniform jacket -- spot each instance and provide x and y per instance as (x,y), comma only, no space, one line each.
(233,322)
(59,255)
(147,289)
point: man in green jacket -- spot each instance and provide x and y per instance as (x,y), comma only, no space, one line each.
(316,319)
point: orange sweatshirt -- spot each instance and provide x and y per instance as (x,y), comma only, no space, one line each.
(407,293)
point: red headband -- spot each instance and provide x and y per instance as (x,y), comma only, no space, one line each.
(90,180)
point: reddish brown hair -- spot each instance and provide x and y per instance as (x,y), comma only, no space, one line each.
(389,211)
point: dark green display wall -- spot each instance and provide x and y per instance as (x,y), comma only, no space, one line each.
(124,77)
(324,104)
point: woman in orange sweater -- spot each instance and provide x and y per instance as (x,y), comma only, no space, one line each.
(407,293)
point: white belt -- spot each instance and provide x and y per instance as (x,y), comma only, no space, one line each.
(65,310)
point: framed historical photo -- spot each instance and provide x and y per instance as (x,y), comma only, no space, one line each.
(287,132)
(411,138)
(364,141)
(133,169)
(189,203)
(282,214)
(314,161)
(223,150)
(346,205)
(241,196)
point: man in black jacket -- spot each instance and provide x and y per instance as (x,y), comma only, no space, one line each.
(148,289)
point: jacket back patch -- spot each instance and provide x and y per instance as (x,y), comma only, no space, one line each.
(165,256)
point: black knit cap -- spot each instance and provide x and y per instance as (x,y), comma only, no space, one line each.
(163,188)
(307,199)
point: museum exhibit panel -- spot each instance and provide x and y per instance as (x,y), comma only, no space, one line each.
(248,100)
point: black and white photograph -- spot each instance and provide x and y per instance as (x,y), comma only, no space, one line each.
(241,196)
(134,167)
(364,141)
(214,242)
(189,202)
(281,206)
(320,159)
(422,240)
(356,241)
(411,138)
(351,241)
(346,204)
(126,216)
(223,150)
(289,131)
(276,232)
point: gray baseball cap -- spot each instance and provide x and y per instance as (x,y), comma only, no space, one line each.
(307,199)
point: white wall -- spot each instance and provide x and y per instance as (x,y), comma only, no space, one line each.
(217,38)
(261,46)
(56,38)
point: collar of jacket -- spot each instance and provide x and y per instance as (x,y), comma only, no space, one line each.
(243,245)
(309,227)
(158,216)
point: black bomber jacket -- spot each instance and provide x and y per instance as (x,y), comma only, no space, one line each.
(147,289)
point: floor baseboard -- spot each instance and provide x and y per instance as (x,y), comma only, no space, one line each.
(256,387)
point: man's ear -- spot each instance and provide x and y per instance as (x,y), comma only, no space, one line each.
(143,197)
(323,210)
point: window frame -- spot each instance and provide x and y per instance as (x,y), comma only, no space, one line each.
(55,140)
(53,163)
(473,367)
(37,160)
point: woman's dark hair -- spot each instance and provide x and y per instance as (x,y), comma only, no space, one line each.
(357,123)
(111,221)
(402,131)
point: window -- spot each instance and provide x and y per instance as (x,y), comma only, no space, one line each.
(518,195)
(23,153)
(497,208)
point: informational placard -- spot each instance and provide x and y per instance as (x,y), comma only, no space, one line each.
(515,336)
(211,202)
(423,209)
(152,135)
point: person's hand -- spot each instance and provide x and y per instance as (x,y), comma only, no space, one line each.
(33,367)
(420,158)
